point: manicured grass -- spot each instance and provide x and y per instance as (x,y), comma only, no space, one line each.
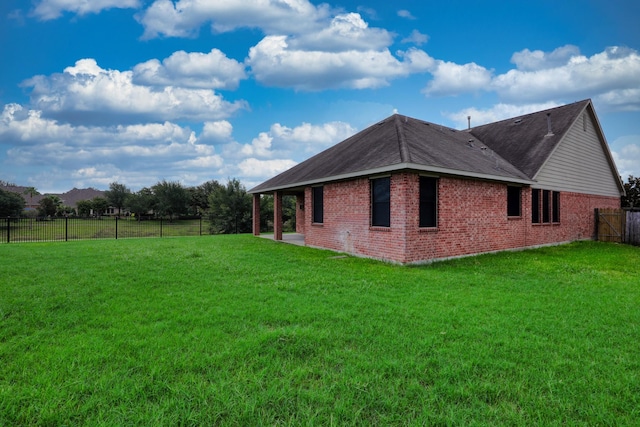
(235,330)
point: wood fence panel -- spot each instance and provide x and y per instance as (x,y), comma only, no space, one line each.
(632,234)
(611,225)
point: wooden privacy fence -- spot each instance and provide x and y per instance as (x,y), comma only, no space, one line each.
(618,225)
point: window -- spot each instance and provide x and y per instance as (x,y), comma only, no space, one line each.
(381,202)
(535,206)
(545,206)
(555,208)
(428,201)
(318,205)
(514,201)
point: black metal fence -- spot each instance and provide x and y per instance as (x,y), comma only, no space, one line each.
(65,229)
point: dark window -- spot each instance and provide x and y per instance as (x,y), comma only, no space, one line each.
(546,206)
(381,202)
(514,201)
(555,207)
(535,206)
(318,205)
(428,201)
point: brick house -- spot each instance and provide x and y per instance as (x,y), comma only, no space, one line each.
(410,191)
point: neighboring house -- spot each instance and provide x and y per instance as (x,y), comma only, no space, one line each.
(410,191)
(70,198)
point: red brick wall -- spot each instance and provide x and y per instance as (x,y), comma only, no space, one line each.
(472,218)
(300,223)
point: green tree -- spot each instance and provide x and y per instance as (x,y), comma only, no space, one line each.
(84,208)
(171,198)
(48,206)
(141,202)
(230,209)
(99,205)
(632,197)
(117,195)
(11,204)
(200,195)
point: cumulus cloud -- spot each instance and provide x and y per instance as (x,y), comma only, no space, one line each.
(155,149)
(345,32)
(606,74)
(450,78)
(497,112)
(612,77)
(275,63)
(220,131)
(303,140)
(416,37)
(185,17)
(527,60)
(626,154)
(211,70)
(52,9)
(92,94)
(62,155)
(256,168)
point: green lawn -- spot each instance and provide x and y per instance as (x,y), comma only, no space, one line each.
(235,330)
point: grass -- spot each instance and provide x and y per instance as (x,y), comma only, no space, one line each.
(234,330)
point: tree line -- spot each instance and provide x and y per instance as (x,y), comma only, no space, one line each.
(227,207)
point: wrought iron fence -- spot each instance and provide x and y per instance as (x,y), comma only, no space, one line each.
(65,229)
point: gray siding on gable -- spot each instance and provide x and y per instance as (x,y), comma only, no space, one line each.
(579,163)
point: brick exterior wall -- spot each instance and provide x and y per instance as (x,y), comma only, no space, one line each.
(472,218)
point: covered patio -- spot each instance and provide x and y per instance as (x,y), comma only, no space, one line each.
(278,235)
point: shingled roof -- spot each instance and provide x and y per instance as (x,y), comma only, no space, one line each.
(525,141)
(511,150)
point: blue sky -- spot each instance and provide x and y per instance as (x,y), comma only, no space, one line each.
(137,91)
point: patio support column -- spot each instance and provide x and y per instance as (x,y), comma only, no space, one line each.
(277,215)
(256,214)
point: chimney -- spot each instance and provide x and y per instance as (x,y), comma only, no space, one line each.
(549,131)
(468,122)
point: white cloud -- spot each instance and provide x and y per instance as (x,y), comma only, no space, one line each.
(345,32)
(416,37)
(211,70)
(51,9)
(185,17)
(494,114)
(275,63)
(606,74)
(91,94)
(450,78)
(255,168)
(406,14)
(303,140)
(260,146)
(219,131)
(611,77)
(61,155)
(527,60)
(626,154)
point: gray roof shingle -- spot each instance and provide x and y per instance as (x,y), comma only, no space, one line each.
(510,150)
